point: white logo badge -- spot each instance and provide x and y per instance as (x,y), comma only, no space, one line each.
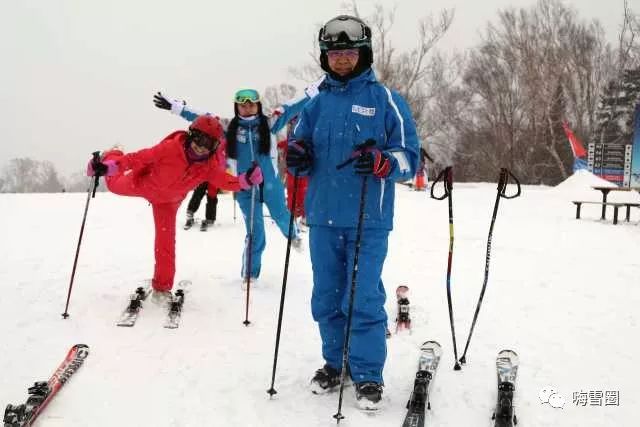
(363,111)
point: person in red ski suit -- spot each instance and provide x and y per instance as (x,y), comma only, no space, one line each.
(298,212)
(164,174)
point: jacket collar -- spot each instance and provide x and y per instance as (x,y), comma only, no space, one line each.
(353,83)
(252,122)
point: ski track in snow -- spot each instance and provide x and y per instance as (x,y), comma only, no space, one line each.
(562,293)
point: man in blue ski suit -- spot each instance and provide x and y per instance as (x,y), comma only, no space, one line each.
(351,109)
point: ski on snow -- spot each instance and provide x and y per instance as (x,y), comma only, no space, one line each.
(430,353)
(174,306)
(175,310)
(130,314)
(403,320)
(507,363)
(42,392)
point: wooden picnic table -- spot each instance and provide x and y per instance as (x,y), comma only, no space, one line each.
(605,192)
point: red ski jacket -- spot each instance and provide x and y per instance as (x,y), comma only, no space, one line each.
(162,173)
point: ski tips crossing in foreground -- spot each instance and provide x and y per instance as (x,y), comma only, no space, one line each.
(42,392)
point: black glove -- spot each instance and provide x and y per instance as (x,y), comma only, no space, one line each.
(99,168)
(299,156)
(373,162)
(161,102)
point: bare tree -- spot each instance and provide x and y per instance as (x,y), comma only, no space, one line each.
(25,175)
(628,43)
(275,96)
(533,69)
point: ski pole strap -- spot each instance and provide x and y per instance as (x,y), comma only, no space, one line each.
(503,180)
(95,160)
(446,176)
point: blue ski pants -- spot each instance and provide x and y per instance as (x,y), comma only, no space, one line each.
(273,195)
(332,256)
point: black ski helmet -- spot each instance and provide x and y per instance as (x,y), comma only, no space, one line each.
(346,32)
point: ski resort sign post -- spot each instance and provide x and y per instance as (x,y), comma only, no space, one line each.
(611,161)
(635,160)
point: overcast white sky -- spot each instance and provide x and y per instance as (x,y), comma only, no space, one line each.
(79,75)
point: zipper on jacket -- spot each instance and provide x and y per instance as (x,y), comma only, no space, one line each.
(253,154)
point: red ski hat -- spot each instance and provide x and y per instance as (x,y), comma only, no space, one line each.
(209,125)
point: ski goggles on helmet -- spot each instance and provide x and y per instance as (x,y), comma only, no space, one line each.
(246,95)
(203,140)
(344,29)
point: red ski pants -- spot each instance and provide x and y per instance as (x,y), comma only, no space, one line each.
(164,217)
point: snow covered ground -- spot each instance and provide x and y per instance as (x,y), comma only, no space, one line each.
(563,293)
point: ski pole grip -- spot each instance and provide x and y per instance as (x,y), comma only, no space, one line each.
(359,151)
(95,159)
(504,178)
(443,176)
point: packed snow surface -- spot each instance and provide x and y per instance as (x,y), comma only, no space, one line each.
(561,292)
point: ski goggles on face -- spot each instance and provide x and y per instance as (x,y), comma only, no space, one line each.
(350,27)
(203,140)
(246,95)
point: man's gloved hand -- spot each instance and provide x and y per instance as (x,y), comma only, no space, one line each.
(108,168)
(174,105)
(299,156)
(253,176)
(372,161)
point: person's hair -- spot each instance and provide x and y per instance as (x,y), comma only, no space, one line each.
(263,132)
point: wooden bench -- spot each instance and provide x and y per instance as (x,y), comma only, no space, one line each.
(616,206)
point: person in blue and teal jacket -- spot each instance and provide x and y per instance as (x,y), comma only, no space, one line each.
(249,141)
(356,118)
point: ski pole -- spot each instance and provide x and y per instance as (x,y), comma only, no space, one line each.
(248,265)
(234,208)
(352,294)
(272,390)
(503,180)
(249,249)
(447,179)
(354,274)
(91,193)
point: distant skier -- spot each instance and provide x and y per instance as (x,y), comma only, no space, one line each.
(163,175)
(302,180)
(211,192)
(351,109)
(211,208)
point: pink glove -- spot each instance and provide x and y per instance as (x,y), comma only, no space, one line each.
(253,176)
(108,168)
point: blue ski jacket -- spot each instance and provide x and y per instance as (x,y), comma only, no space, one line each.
(340,117)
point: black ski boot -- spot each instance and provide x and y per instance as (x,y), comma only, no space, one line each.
(206,224)
(369,395)
(189,223)
(325,380)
